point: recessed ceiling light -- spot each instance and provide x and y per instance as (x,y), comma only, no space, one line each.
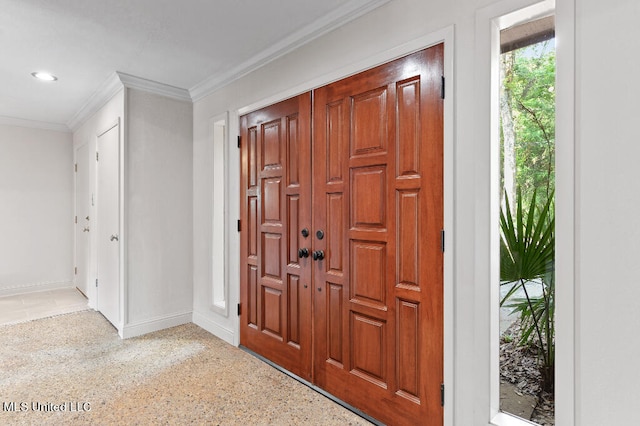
(44,76)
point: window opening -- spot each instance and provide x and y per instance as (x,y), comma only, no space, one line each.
(218,252)
(527,220)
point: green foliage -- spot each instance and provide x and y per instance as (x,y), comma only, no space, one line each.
(527,259)
(530,85)
(527,249)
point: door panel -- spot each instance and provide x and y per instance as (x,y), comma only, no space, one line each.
(276,206)
(108,225)
(377,189)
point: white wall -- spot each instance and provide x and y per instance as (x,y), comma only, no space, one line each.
(36,210)
(156,288)
(608,202)
(159,209)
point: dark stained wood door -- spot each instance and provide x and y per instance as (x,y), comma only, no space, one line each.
(378,199)
(276,290)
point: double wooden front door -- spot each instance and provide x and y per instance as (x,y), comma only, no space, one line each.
(341,257)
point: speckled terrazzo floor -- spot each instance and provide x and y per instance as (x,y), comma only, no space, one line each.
(182,375)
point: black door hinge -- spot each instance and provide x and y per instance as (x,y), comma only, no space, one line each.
(239,139)
(442,88)
(442,394)
(96,282)
(239,309)
(97,156)
(239,227)
(442,240)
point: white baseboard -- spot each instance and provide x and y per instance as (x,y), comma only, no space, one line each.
(214,328)
(155,324)
(34,287)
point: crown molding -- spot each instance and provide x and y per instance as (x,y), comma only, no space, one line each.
(98,99)
(113,85)
(33,124)
(351,10)
(139,83)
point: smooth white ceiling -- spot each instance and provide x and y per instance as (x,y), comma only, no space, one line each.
(183,43)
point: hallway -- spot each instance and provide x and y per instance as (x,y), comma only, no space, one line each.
(42,304)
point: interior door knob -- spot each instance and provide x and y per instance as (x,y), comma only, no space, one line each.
(114,237)
(303,252)
(318,255)
(85,229)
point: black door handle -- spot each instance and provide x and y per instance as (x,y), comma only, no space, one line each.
(318,255)
(303,252)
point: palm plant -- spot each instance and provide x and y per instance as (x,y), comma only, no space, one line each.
(527,259)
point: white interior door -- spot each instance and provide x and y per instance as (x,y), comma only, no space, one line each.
(83,220)
(108,225)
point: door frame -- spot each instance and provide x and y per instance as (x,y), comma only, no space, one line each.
(446,35)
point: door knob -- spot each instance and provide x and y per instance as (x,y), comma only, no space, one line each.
(318,255)
(85,229)
(303,252)
(114,237)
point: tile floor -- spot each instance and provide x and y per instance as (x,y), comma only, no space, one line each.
(29,306)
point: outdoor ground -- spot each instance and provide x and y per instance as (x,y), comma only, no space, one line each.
(520,381)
